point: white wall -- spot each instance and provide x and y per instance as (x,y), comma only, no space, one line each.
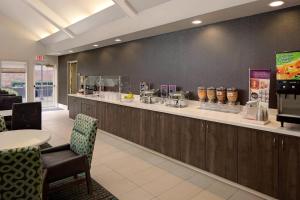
(17,44)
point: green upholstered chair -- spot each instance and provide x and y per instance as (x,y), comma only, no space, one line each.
(2,124)
(74,158)
(21,174)
(83,136)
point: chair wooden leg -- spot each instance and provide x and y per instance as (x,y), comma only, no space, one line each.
(45,191)
(45,185)
(88,181)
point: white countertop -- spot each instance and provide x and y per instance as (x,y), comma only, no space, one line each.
(193,111)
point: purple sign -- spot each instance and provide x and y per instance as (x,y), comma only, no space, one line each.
(259,84)
(260,73)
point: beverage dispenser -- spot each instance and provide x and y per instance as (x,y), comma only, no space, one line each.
(288,87)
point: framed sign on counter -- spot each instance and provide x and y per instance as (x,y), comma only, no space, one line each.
(259,85)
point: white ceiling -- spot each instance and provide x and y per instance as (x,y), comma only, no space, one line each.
(75,10)
(65,25)
(38,15)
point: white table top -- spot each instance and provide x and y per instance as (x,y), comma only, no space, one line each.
(6,113)
(23,138)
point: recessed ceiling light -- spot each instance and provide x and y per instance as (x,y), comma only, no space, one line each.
(196,22)
(118,40)
(71,51)
(276,3)
(95,45)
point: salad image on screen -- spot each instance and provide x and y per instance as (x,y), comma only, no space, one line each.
(288,66)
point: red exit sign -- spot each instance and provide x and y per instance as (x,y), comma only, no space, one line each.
(39,58)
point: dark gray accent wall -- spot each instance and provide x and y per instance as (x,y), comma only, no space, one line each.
(213,55)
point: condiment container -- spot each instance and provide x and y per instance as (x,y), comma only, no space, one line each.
(221,95)
(211,94)
(232,95)
(202,94)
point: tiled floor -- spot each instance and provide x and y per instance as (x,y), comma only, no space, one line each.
(131,173)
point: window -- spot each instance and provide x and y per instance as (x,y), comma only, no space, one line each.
(13,77)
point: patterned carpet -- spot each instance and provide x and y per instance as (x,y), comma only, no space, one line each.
(78,191)
(68,189)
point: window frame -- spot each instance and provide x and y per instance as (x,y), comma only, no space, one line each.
(16,71)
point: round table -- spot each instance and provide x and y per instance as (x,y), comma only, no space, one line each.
(6,113)
(23,138)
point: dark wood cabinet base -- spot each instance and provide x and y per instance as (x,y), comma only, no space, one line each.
(263,161)
(289,168)
(221,150)
(258,160)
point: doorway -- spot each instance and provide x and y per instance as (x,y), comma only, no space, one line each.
(44,85)
(72,77)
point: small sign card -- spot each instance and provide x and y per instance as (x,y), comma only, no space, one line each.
(164,90)
(172,88)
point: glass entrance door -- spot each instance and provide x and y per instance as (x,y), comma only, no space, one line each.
(44,85)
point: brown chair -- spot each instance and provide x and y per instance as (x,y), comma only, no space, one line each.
(6,101)
(26,116)
(75,158)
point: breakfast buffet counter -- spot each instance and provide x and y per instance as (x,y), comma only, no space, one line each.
(222,144)
(193,111)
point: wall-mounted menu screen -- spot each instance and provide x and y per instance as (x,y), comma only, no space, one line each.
(288,65)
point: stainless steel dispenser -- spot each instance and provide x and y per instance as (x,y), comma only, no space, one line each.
(176,99)
(288,101)
(147,95)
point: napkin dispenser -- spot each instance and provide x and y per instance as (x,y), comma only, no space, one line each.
(256,110)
